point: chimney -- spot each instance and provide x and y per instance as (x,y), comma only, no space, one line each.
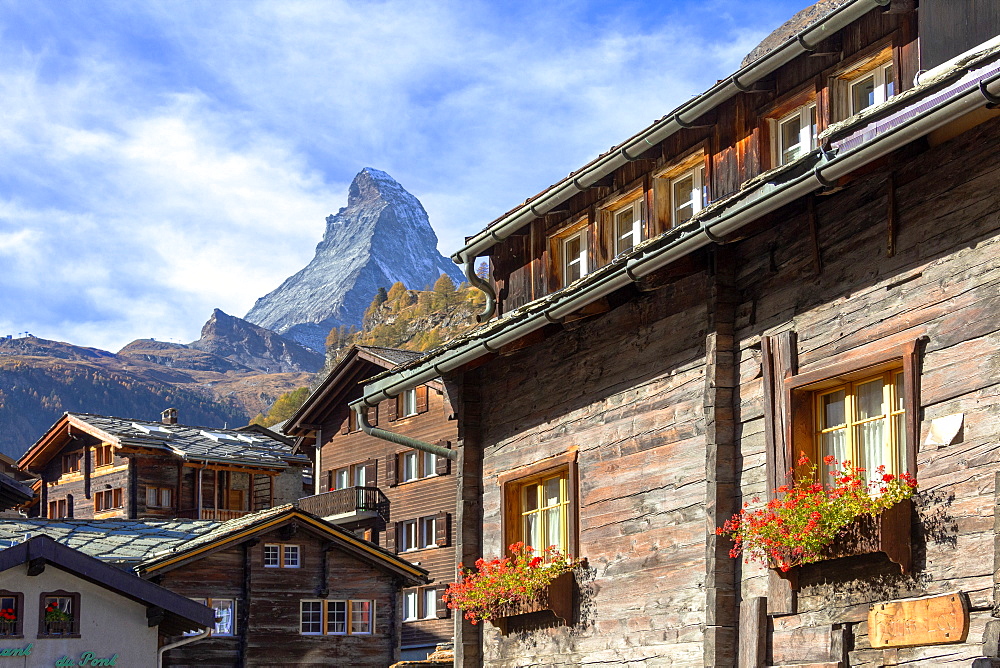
(169,416)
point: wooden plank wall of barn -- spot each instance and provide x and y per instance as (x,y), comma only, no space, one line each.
(943,282)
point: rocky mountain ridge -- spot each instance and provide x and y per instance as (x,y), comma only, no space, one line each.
(381,237)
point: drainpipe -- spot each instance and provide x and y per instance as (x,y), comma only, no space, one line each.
(183,641)
(485,287)
(362,412)
(319,460)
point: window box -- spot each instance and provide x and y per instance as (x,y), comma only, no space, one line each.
(59,615)
(557,599)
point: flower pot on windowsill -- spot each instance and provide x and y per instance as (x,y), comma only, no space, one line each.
(888,532)
(557,599)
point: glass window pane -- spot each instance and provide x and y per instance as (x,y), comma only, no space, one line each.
(223,617)
(533,530)
(870,400)
(312,617)
(900,402)
(834,443)
(683,198)
(871,437)
(890,84)
(271,556)
(790,131)
(361,616)
(553,527)
(834,410)
(336,617)
(430,464)
(291,556)
(552,491)
(342,479)
(430,604)
(863,94)
(410,604)
(530,498)
(360,476)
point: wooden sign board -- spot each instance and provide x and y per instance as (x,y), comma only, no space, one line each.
(931,620)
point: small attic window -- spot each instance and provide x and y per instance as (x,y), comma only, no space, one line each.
(153,430)
(220,437)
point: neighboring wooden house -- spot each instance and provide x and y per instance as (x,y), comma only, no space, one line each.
(684,315)
(288,589)
(15,488)
(93,466)
(396,496)
(63,608)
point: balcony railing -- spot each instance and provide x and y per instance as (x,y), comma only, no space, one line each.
(217,514)
(346,502)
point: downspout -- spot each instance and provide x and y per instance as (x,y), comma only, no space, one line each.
(483,286)
(362,412)
(183,641)
(319,460)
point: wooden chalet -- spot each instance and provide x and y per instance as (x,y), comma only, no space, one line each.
(93,466)
(62,607)
(802,259)
(288,589)
(401,498)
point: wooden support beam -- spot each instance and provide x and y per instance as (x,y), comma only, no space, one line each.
(36,566)
(753,633)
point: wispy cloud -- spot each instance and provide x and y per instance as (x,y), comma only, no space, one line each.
(162,159)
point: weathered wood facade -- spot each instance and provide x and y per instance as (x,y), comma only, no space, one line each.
(664,404)
(420,499)
(335,604)
(97,467)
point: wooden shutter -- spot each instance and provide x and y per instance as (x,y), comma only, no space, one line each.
(390,469)
(371,470)
(329,479)
(443,612)
(373,415)
(778,361)
(347,423)
(441,528)
(390,536)
(422,399)
(393,408)
(443,465)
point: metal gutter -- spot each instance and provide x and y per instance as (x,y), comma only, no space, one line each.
(683,117)
(824,171)
(361,411)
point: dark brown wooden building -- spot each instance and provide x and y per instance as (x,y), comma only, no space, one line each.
(399,497)
(93,466)
(804,258)
(288,589)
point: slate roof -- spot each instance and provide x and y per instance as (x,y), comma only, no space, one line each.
(231,529)
(122,542)
(198,443)
(392,355)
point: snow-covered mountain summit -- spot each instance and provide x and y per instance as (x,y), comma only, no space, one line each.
(380,237)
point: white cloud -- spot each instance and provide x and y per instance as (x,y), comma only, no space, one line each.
(153,180)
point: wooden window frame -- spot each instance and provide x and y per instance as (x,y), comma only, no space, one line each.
(17,627)
(348,605)
(104,455)
(842,79)
(511,484)
(234,631)
(798,100)
(694,161)
(426,465)
(106,500)
(556,242)
(800,392)
(322,616)
(804,115)
(75,611)
(72,462)
(635,201)
(282,560)
(158,493)
(421,609)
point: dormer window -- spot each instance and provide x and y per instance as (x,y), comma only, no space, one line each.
(687,195)
(574,254)
(872,88)
(795,134)
(628,222)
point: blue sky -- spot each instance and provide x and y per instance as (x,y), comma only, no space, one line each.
(161,159)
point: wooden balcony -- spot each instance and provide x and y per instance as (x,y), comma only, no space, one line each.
(217,514)
(349,505)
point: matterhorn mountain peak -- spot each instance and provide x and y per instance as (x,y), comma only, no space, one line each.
(382,236)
